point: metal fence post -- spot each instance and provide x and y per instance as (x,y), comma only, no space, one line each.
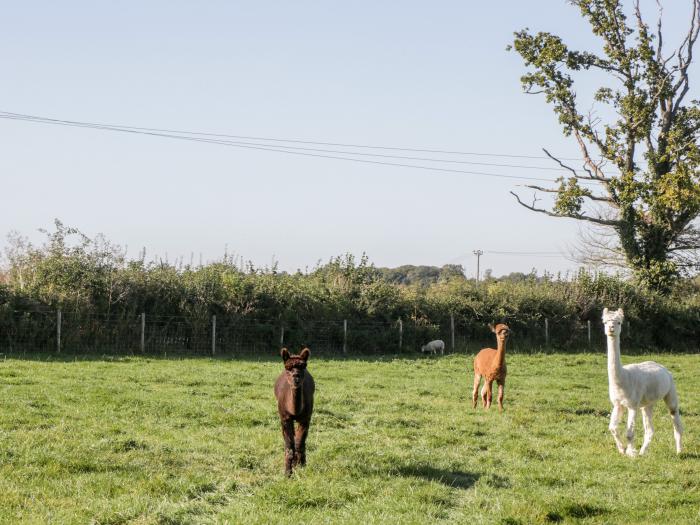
(546,332)
(143,332)
(213,334)
(452,329)
(400,334)
(281,335)
(58,332)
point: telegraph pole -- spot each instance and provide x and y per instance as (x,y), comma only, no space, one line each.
(478,254)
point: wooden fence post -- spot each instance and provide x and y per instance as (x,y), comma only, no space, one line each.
(143,332)
(452,329)
(589,333)
(58,332)
(345,336)
(400,334)
(546,332)
(213,334)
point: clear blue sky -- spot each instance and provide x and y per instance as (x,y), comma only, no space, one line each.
(417,74)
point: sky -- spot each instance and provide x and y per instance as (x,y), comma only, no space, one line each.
(410,74)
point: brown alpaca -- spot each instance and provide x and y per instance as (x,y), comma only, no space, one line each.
(491,364)
(294,390)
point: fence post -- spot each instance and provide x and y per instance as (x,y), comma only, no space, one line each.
(546,332)
(282,335)
(58,332)
(452,329)
(345,336)
(400,334)
(143,332)
(589,333)
(213,334)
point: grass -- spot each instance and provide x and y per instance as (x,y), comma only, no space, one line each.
(393,440)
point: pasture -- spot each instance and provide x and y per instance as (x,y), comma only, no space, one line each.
(392,440)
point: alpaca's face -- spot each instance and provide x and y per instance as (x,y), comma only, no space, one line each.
(612,322)
(295,367)
(296,372)
(502,332)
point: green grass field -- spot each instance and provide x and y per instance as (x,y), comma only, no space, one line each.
(392,440)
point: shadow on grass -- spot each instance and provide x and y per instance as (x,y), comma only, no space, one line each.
(451,478)
(585,411)
(576,511)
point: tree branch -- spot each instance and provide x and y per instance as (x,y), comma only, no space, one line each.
(572,170)
(597,172)
(684,62)
(599,247)
(577,216)
(597,198)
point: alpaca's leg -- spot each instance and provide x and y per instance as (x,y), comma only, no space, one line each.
(631,416)
(475,392)
(288,434)
(647,412)
(671,400)
(489,393)
(501,387)
(484,393)
(614,422)
(677,429)
(300,442)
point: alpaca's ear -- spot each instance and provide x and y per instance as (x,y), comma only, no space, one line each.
(620,312)
(304,354)
(605,311)
(285,354)
(492,328)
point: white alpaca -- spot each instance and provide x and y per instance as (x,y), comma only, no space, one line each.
(637,386)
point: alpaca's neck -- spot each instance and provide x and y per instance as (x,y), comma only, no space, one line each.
(500,353)
(296,400)
(614,363)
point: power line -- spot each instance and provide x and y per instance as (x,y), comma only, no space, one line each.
(536,254)
(6,114)
(277,149)
(236,143)
(523,253)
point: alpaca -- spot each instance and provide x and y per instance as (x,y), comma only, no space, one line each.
(491,364)
(294,390)
(637,386)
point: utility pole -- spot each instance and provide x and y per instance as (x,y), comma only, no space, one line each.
(478,254)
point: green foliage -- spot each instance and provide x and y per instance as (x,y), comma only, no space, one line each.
(651,142)
(422,275)
(570,197)
(93,277)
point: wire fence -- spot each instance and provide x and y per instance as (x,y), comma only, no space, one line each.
(66,332)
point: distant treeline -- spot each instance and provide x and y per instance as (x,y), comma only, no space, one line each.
(76,274)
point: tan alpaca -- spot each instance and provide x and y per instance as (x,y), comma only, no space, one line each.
(491,364)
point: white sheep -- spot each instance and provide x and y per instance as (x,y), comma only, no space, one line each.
(433,347)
